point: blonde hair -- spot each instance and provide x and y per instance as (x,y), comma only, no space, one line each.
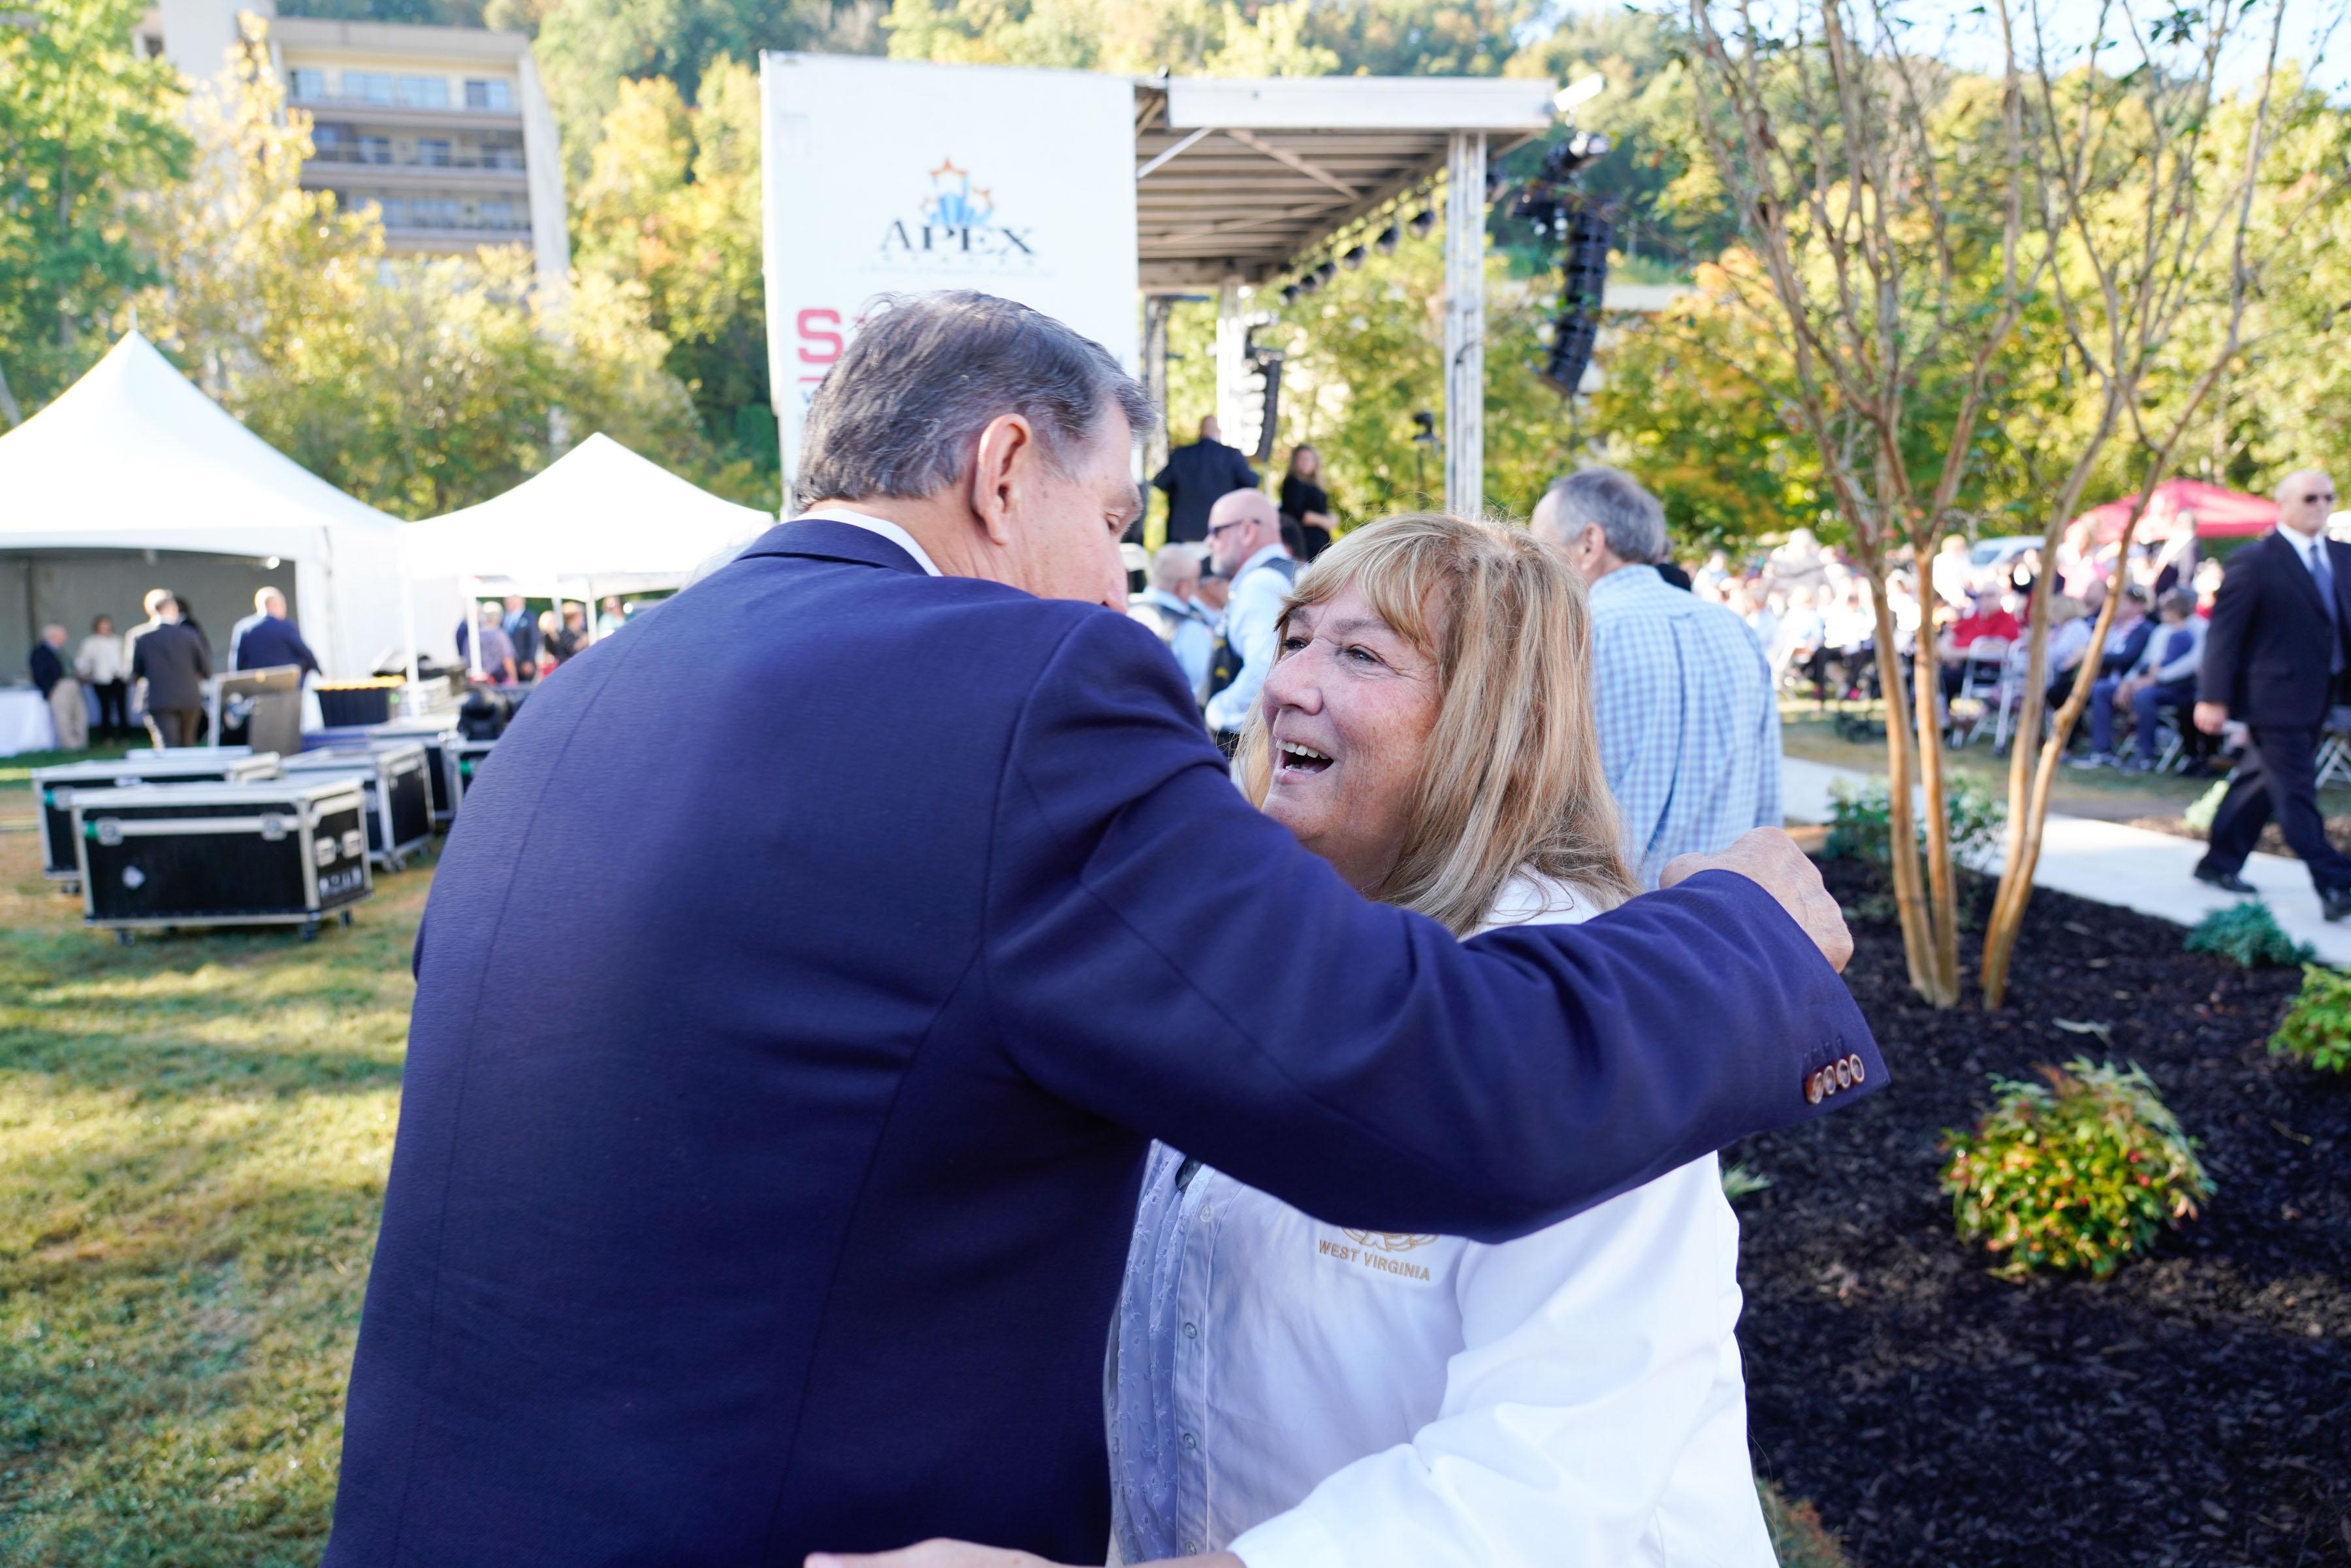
(1511,777)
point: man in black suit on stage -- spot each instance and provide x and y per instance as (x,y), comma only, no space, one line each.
(1196,478)
(2274,660)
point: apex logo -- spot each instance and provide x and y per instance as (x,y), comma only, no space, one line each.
(955,227)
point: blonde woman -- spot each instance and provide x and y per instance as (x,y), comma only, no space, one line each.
(1292,1392)
(1288,1394)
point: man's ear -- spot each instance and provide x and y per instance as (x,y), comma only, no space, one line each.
(1002,462)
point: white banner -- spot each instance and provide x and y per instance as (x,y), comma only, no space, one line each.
(895,176)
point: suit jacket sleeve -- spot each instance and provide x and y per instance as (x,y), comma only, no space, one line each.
(2225,638)
(1165,956)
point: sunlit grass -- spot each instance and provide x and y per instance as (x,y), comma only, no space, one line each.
(194,1137)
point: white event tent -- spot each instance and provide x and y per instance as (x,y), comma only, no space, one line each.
(133,478)
(598,520)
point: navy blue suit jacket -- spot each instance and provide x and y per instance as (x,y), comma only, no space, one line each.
(270,643)
(2269,651)
(776,1091)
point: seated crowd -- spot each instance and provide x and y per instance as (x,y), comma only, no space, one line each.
(1814,612)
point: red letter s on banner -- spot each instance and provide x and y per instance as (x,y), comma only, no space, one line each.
(819,336)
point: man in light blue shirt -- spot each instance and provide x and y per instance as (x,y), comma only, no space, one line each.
(1178,618)
(1245,544)
(1689,731)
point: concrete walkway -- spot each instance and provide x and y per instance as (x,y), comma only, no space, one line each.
(2108,862)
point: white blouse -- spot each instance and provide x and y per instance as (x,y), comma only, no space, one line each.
(1309,1396)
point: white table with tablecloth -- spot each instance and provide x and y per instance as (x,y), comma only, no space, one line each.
(25,722)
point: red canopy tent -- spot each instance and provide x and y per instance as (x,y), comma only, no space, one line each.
(2219,514)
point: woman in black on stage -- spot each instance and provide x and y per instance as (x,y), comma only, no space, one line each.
(1303,498)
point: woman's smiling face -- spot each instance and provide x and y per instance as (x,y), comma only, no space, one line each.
(1350,703)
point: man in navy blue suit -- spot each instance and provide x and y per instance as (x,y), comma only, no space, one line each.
(776,1096)
(267,640)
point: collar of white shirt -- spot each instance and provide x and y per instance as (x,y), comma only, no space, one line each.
(873,525)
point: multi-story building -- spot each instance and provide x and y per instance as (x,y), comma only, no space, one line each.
(445,129)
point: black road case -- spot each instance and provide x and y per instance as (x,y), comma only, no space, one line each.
(55,787)
(437,733)
(276,852)
(398,794)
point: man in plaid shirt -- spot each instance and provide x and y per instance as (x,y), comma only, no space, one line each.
(1689,728)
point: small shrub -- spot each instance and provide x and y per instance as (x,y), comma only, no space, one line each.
(2317,1027)
(2197,818)
(1741,1179)
(2079,1173)
(1860,825)
(2247,934)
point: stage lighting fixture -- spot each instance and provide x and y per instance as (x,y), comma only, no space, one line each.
(1290,294)
(1326,272)
(1423,221)
(1386,245)
(1353,258)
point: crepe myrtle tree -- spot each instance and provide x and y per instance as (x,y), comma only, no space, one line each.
(2160,196)
(1882,195)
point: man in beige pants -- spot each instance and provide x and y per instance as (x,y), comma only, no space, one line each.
(63,691)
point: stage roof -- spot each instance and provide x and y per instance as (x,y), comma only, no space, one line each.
(1235,177)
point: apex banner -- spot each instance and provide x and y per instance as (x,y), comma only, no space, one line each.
(893,176)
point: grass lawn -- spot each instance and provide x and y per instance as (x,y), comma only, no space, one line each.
(193,1139)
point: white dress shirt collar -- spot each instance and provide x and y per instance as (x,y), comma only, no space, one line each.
(837,513)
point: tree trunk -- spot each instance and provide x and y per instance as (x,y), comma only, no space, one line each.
(1942,988)
(1902,836)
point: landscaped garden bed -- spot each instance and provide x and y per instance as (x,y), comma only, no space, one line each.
(2194,1408)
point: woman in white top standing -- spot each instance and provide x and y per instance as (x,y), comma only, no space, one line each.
(1287,1394)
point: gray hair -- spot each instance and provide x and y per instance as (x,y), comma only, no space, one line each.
(901,410)
(1632,520)
(1173,564)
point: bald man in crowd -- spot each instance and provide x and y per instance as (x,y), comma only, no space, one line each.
(2274,660)
(267,638)
(1245,544)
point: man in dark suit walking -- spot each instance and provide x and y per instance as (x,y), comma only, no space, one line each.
(171,661)
(2274,660)
(1196,478)
(777,1097)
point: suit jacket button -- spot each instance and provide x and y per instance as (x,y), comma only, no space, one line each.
(1845,1074)
(1812,1088)
(1859,1070)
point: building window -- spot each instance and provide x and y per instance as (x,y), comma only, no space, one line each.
(425,92)
(332,143)
(497,95)
(374,150)
(307,82)
(501,152)
(368,87)
(432,153)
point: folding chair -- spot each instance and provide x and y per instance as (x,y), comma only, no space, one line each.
(2334,751)
(1981,674)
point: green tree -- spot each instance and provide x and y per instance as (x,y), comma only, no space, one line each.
(586,49)
(84,123)
(671,205)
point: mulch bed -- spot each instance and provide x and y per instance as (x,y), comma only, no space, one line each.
(2194,1409)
